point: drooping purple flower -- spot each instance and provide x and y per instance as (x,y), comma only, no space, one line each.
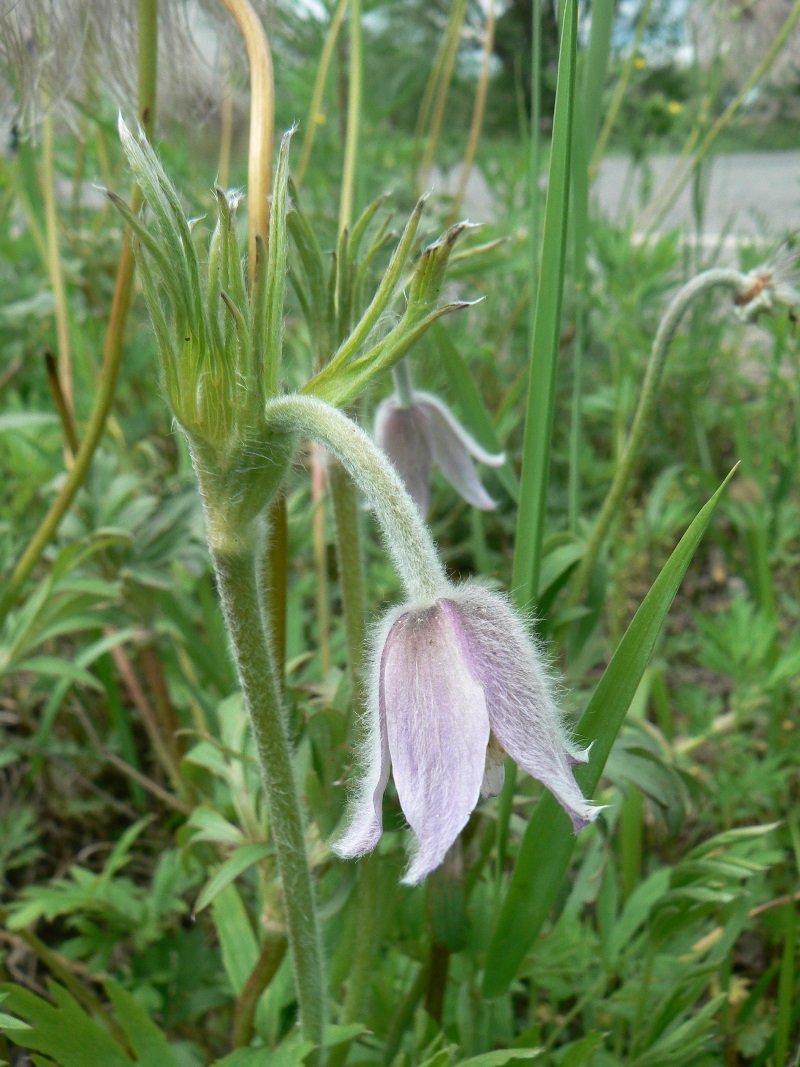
(425,434)
(454,684)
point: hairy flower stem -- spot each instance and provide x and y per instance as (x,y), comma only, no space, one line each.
(719,277)
(403,384)
(112,351)
(407,538)
(242,602)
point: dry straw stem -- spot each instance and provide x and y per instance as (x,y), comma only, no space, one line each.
(619,92)
(439,86)
(55,271)
(262,124)
(314,113)
(477,113)
(353,116)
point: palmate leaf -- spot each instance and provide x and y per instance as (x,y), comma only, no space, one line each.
(548,842)
(64,1032)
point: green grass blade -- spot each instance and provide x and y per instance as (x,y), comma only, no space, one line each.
(584,135)
(595,70)
(548,842)
(546,329)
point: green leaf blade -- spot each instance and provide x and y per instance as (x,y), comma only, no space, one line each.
(548,841)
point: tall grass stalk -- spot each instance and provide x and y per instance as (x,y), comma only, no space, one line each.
(592,82)
(436,92)
(355,77)
(65,371)
(621,88)
(477,113)
(543,354)
(315,114)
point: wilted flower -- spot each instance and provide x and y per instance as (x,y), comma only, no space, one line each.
(425,434)
(454,684)
(775,282)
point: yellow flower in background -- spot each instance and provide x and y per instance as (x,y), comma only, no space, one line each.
(640,63)
(674,107)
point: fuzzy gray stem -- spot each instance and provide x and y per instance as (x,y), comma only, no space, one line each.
(407,538)
(710,279)
(242,602)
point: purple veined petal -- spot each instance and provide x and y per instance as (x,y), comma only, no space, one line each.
(438,730)
(519,698)
(404,435)
(365,818)
(452,449)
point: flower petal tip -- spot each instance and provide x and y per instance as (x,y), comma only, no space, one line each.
(580,820)
(360,837)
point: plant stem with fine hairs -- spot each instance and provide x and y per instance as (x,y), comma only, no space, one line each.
(242,600)
(710,279)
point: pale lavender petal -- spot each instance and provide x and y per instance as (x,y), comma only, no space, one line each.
(519,697)
(365,818)
(491,459)
(404,435)
(438,731)
(494,773)
(451,446)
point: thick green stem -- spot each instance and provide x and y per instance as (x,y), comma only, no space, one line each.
(642,422)
(112,352)
(242,602)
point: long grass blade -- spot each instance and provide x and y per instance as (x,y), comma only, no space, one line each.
(547,325)
(548,842)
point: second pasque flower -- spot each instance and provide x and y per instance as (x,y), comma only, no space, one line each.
(419,436)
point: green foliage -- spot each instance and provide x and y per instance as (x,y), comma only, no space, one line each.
(143,921)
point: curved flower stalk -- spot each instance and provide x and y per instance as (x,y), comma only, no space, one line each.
(761,290)
(424,434)
(455,678)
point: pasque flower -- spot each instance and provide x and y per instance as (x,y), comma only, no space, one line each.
(454,683)
(424,433)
